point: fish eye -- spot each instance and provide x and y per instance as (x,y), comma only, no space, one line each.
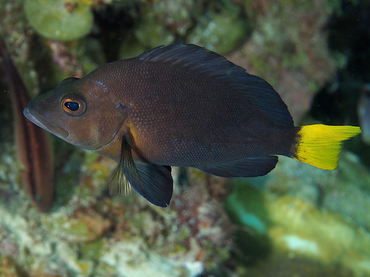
(73,106)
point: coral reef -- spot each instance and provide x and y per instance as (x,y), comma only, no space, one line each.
(315,217)
(95,235)
(297,220)
(288,48)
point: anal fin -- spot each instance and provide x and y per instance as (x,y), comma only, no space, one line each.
(246,167)
(156,183)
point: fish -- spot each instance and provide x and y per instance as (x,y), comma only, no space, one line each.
(181,105)
(33,146)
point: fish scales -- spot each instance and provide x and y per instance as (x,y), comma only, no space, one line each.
(166,103)
(181,105)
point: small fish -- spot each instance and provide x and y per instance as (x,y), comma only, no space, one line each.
(33,146)
(363,110)
(181,105)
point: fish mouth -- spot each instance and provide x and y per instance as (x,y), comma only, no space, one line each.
(46,125)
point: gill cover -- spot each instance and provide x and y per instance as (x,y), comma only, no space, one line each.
(107,111)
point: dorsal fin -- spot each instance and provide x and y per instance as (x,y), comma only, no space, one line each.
(254,88)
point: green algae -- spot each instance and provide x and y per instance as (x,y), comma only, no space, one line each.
(163,21)
(92,250)
(152,33)
(53,20)
(131,48)
(219,31)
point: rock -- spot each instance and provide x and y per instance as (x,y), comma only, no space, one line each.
(83,225)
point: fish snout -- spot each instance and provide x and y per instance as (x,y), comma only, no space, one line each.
(43,123)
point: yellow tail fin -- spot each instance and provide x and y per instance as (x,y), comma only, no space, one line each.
(320,145)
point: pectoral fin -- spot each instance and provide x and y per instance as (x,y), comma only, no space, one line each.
(125,173)
(153,182)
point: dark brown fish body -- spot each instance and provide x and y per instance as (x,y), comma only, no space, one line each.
(172,125)
(180,105)
(33,147)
